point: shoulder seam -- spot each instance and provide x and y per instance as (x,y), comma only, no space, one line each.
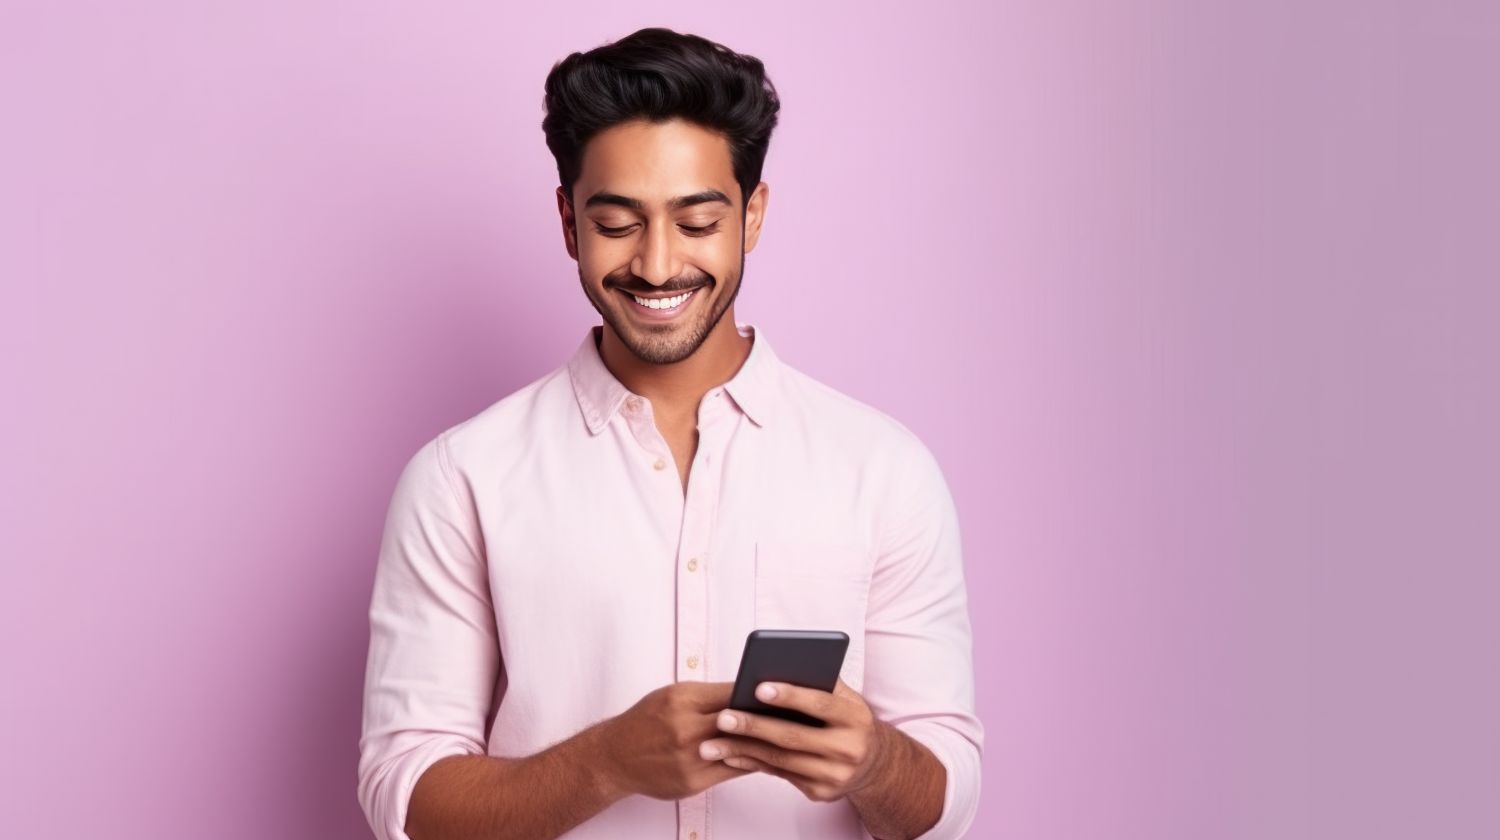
(446,468)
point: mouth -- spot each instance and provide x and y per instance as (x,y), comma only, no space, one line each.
(659,307)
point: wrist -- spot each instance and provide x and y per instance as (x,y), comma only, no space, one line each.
(605,775)
(888,743)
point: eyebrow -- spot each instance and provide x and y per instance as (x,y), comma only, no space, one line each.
(702,197)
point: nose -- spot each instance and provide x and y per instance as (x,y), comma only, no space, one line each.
(656,260)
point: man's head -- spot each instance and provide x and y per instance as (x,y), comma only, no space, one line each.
(659,140)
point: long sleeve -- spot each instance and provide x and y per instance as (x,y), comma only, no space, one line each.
(434,656)
(919,672)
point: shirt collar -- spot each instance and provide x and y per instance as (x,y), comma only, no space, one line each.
(600,394)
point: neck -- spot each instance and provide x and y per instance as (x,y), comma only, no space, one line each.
(678,388)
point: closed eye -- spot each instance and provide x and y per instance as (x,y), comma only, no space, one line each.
(704,230)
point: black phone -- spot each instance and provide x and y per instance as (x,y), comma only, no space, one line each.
(810,658)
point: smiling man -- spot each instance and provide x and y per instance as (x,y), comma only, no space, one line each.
(557,616)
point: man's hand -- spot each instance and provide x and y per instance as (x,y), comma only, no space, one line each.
(825,763)
(652,747)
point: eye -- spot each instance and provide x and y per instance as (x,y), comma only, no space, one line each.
(618,232)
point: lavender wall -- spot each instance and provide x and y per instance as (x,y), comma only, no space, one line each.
(1195,303)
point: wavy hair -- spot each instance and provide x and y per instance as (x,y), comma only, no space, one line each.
(657,74)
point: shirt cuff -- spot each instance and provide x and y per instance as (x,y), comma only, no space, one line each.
(960,759)
(387,797)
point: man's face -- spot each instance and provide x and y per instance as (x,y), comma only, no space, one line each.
(655,213)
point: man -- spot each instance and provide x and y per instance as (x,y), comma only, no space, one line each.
(566,579)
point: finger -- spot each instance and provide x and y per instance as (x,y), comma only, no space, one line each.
(697,728)
(753,765)
(808,766)
(718,749)
(822,705)
(745,762)
(721,772)
(792,735)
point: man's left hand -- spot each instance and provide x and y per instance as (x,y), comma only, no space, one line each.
(826,763)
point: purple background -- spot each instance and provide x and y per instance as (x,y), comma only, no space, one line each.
(1194,302)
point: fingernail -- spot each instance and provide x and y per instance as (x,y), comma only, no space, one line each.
(728,721)
(709,751)
(766,691)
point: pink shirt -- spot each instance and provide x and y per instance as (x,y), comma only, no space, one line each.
(541,569)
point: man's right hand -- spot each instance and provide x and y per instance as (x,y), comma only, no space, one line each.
(652,747)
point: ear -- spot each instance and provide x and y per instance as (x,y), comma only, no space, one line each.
(755,213)
(569,223)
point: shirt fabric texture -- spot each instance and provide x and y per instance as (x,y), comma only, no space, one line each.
(541,569)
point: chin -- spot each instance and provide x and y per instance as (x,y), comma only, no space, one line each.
(662,344)
(660,350)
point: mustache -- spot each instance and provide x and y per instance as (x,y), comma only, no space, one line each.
(635,285)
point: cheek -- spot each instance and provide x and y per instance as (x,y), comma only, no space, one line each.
(599,264)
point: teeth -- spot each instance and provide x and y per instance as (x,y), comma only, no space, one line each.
(663,303)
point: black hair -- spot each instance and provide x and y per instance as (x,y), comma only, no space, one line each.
(657,74)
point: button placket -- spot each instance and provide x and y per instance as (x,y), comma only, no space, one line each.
(637,411)
(692,587)
(699,508)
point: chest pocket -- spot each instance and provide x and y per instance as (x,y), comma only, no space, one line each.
(814,586)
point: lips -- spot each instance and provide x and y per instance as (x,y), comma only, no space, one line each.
(654,314)
(658,294)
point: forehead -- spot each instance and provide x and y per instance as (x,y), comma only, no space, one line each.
(655,162)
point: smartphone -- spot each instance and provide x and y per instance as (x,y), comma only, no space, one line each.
(810,658)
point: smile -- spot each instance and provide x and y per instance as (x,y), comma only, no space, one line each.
(664,303)
(662,308)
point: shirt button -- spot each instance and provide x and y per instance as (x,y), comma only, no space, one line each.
(660,464)
(692,661)
(693,565)
(692,835)
(633,403)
